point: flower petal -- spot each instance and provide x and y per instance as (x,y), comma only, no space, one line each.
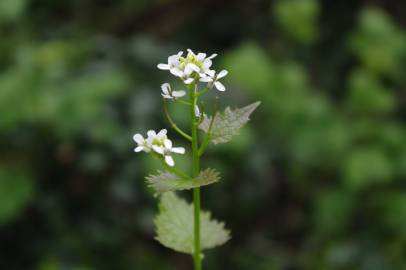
(207,64)
(166,88)
(139,149)
(192,67)
(201,56)
(151,133)
(197,111)
(173,60)
(180,93)
(168,143)
(220,86)
(169,160)
(206,79)
(222,74)
(191,52)
(162,133)
(178,150)
(176,71)
(138,138)
(163,66)
(188,80)
(211,73)
(212,56)
(158,149)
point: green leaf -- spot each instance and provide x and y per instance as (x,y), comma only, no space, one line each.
(167,181)
(175,223)
(227,124)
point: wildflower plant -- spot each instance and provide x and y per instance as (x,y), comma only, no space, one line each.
(181,226)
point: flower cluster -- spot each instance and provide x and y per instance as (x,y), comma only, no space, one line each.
(193,68)
(157,143)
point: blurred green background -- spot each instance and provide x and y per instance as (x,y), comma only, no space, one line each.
(317,180)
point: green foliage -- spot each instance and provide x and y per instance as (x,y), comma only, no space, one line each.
(368,96)
(174,226)
(16,191)
(10,10)
(366,167)
(378,42)
(333,211)
(298,18)
(254,69)
(34,84)
(227,124)
(392,212)
(167,181)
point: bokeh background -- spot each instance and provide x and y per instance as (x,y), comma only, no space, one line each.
(315,181)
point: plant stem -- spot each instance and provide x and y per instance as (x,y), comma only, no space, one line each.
(207,139)
(173,125)
(196,191)
(174,170)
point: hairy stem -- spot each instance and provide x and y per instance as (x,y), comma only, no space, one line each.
(196,191)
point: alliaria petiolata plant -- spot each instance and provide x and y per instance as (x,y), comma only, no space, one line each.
(181,226)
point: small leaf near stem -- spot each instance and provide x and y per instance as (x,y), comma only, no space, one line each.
(165,181)
(173,125)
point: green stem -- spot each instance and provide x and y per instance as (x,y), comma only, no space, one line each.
(204,144)
(207,139)
(183,102)
(178,172)
(196,191)
(202,91)
(173,125)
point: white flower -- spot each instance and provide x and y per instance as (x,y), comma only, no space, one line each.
(159,143)
(154,137)
(146,144)
(142,144)
(166,149)
(169,94)
(202,62)
(173,63)
(187,67)
(213,79)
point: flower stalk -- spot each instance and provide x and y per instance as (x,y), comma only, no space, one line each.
(196,191)
(173,222)
(173,124)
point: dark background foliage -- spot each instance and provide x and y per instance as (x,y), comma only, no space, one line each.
(315,181)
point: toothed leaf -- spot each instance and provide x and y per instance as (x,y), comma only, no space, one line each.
(167,181)
(227,124)
(175,222)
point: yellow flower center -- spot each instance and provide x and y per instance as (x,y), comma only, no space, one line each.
(159,141)
(189,59)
